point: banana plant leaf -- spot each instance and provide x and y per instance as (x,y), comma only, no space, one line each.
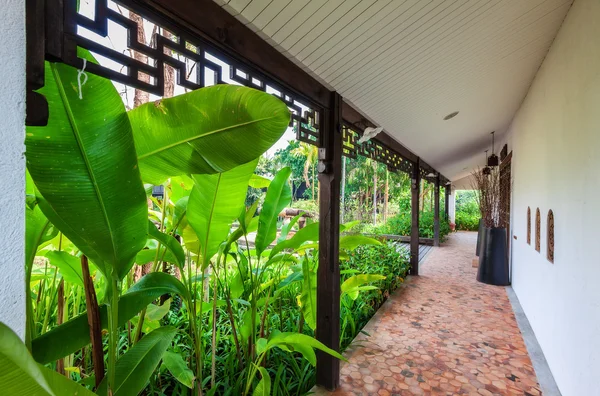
(216,200)
(74,334)
(279,195)
(308,296)
(168,241)
(351,242)
(134,368)
(206,131)
(20,375)
(84,165)
(288,341)
(306,234)
(69,266)
(354,285)
(178,368)
(263,388)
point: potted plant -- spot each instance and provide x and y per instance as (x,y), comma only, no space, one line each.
(493,260)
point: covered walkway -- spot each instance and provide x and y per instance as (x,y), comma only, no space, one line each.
(443,333)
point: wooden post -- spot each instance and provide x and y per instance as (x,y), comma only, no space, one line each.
(447,203)
(436,213)
(414,229)
(328,276)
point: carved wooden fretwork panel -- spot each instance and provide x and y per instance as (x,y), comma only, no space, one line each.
(538,229)
(550,237)
(374,150)
(197,63)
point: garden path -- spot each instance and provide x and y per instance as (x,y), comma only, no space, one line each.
(443,333)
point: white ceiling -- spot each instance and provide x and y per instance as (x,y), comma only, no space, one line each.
(408,63)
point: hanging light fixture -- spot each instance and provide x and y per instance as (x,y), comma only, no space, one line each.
(486,169)
(492,160)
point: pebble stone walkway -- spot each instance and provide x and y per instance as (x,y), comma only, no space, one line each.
(443,333)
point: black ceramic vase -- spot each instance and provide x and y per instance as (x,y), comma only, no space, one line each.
(479,232)
(493,261)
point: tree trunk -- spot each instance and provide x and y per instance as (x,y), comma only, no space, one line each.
(140,97)
(386,196)
(60,364)
(374,193)
(95,326)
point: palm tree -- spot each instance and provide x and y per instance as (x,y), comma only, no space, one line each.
(311,154)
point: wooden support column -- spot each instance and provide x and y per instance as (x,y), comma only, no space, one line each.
(414,229)
(328,276)
(436,213)
(447,202)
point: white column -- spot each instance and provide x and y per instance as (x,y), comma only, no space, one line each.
(12,166)
(452,205)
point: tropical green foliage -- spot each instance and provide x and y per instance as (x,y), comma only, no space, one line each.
(196,290)
(391,266)
(467,210)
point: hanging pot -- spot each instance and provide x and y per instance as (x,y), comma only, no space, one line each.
(493,260)
(479,232)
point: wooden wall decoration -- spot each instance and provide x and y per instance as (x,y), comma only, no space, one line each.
(550,237)
(538,228)
(528,225)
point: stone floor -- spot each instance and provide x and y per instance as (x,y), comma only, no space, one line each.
(442,334)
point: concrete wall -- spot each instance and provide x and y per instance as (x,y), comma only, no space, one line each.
(452,205)
(12,165)
(556,165)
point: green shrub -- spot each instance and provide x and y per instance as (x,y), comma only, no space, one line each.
(371,259)
(401,224)
(466,221)
(467,211)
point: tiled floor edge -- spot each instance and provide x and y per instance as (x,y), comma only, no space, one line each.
(540,365)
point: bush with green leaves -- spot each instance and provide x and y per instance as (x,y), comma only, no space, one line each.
(401,225)
(467,210)
(387,260)
(133,294)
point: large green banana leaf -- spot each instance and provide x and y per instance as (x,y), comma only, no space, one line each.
(279,195)
(168,242)
(74,334)
(209,130)
(216,200)
(84,166)
(308,296)
(135,367)
(20,375)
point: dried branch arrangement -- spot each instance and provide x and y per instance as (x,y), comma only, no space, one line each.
(489,193)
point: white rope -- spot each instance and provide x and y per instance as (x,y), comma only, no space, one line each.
(85,78)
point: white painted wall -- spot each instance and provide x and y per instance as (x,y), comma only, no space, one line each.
(556,165)
(452,205)
(12,165)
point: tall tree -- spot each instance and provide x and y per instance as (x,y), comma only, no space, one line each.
(311,153)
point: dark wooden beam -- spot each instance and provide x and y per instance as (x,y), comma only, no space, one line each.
(328,276)
(414,229)
(436,213)
(208,19)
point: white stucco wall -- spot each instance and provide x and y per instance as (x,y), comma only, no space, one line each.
(12,165)
(452,205)
(556,165)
